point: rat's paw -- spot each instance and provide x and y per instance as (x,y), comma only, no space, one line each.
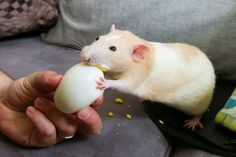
(193,123)
(142,100)
(102,84)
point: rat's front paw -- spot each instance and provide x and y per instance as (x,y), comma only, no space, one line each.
(102,84)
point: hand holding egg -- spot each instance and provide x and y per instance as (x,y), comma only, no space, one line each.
(78,88)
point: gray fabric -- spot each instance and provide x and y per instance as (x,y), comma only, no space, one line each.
(120,137)
(185,151)
(210,25)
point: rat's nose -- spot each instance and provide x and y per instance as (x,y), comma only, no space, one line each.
(86,58)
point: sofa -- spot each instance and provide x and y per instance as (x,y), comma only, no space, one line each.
(190,22)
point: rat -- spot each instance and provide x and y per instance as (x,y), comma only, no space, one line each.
(176,74)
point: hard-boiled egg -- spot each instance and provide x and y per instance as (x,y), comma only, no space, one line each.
(78,89)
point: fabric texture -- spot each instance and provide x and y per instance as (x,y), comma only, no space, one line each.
(187,151)
(120,137)
(209,25)
(19,16)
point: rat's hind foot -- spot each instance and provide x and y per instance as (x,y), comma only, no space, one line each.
(193,123)
(141,99)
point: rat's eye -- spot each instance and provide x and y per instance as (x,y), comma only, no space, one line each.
(112,48)
(97,38)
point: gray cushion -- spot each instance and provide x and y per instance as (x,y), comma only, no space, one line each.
(120,137)
(210,25)
(185,151)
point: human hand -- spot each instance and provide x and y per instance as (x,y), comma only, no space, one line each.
(28,115)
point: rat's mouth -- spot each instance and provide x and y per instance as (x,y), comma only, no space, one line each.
(102,67)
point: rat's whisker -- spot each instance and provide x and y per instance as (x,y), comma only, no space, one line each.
(104,32)
(85,42)
(77,44)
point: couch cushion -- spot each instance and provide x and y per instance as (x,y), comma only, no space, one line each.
(20,16)
(119,137)
(210,25)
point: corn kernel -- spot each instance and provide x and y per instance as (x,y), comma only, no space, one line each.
(128,116)
(110,114)
(119,101)
(160,121)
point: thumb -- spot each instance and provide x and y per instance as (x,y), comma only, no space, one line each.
(42,82)
(23,91)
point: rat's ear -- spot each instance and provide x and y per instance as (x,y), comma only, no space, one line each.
(139,52)
(113,28)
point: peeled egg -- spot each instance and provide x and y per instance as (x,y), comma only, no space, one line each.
(78,89)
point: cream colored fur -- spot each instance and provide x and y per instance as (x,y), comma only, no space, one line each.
(180,83)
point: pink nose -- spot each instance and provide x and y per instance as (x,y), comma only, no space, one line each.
(86,58)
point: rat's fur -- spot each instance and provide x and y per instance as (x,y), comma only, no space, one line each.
(177,74)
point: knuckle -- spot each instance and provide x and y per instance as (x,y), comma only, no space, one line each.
(49,132)
(69,130)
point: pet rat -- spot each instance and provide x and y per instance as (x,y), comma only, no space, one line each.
(176,74)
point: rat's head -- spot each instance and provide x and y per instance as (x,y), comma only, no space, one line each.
(118,50)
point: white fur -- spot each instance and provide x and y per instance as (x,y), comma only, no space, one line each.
(194,81)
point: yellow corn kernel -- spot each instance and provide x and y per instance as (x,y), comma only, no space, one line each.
(128,116)
(160,121)
(110,114)
(119,101)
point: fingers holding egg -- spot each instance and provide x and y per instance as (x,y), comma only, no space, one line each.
(77,94)
(65,124)
(78,90)
(98,102)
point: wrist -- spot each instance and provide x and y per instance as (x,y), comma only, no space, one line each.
(5,81)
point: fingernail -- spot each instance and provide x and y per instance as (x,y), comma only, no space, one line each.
(84,113)
(30,109)
(54,78)
(99,131)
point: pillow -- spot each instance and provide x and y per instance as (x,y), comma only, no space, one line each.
(210,25)
(18,16)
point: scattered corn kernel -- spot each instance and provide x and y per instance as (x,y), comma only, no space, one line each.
(119,101)
(110,114)
(160,121)
(128,116)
